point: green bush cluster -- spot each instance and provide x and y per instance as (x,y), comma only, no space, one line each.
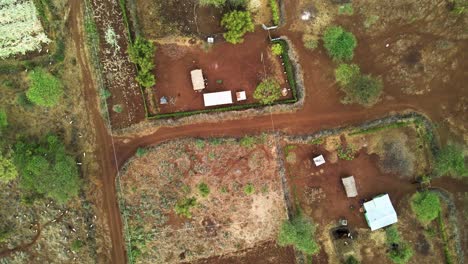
(184,206)
(361,89)
(3,119)
(249,189)
(203,189)
(45,168)
(140,152)
(8,170)
(237,24)
(248,142)
(44,88)
(400,252)
(275,11)
(339,43)
(277,49)
(450,160)
(221,3)
(268,91)
(299,232)
(346,9)
(141,53)
(351,260)
(345,153)
(426,206)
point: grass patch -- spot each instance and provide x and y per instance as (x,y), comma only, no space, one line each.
(448,256)
(346,9)
(248,142)
(345,153)
(275,11)
(299,233)
(400,252)
(379,128)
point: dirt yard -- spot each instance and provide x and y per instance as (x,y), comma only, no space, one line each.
(242,208)
(321,195)
(225,66)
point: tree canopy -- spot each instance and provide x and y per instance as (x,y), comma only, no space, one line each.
(277,49)
(426,206)
(267,91)
(45,168)
(450,161)
(8,170)
(44,89)
(141,53)
(237,24)
(339,43)
(346,73)
(298,232)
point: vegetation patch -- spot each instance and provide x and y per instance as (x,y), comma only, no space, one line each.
(346,9)
(141,53)
(299,233)
(237,24)
(275,11)
(45,89)
(184,206)
(400,251)
(339,43)
(426,206)
(268,91)
(450,160)
(203,189)
(249,189)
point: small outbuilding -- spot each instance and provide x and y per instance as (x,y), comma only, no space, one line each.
(217,98)
(241,96)
(197,80)
(319,160)
(350,186)
(379,212)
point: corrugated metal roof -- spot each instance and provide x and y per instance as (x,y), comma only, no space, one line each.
(197,80)
(380,212)
(218,98)
(350,186)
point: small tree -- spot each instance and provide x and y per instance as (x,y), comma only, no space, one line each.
(237,24)
(346,73)
(364,90)
(44,89)
(203,189)
(267,91)
(277,49)
(142,54)
(450,161)
(339,43)
(299,233)
(8,170)
(426,206)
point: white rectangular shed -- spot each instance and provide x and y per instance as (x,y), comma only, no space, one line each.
(380,212)
(217,98)
(197,80)
(319,160)
(350,186)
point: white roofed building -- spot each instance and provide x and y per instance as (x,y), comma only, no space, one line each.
(350,186)
(217,98)
(197,80)
(379,212)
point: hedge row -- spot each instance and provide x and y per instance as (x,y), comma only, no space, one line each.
(291,79)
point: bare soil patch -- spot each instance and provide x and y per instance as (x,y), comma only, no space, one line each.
(225,66)
(227,220)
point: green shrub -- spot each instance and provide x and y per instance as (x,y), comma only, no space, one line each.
(346,73)
(400,252)
(141,52)
(200,143)
(3,119)
(267,91)
(317,141)
(184,206)
(392,235)
(105,93)
(275,11)
(345,153)
(44,89)
(203,189)
(140,152)
(277,49)
(8,170)
(247,142)
(339,43)
(77,245)
(426,206)
(237,24)
(45,168)
(117,108)
(299,232)
(364,90)
(346,9)
(249,189)
(450,160)
(351,260)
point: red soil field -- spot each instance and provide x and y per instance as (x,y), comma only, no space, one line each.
(226,66)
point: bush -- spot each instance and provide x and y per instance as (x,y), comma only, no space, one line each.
(3,119)
(346,9)
(117,108)
(183,207)
(346,73)
(299,233)
(277,49)
(247,142)
(45,168)
(309,42)
(450,161)
(364,90)
(237,24)
(203,189)
(141,53)
(426,206)
(267,91)
(76,245)
(400,252)
(249,189)
(8,170)
(275,11)
(140,152)
(351,260)
(339,43)
(44,89)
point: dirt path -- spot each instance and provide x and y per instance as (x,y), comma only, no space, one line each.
(104,149)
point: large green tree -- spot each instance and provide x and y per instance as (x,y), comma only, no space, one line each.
(8,170)
(45,168)
(141,53)
(267,91)
(339,43)
(44,88)
(450,161)
(426,206)
(299,232)
(237,24)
